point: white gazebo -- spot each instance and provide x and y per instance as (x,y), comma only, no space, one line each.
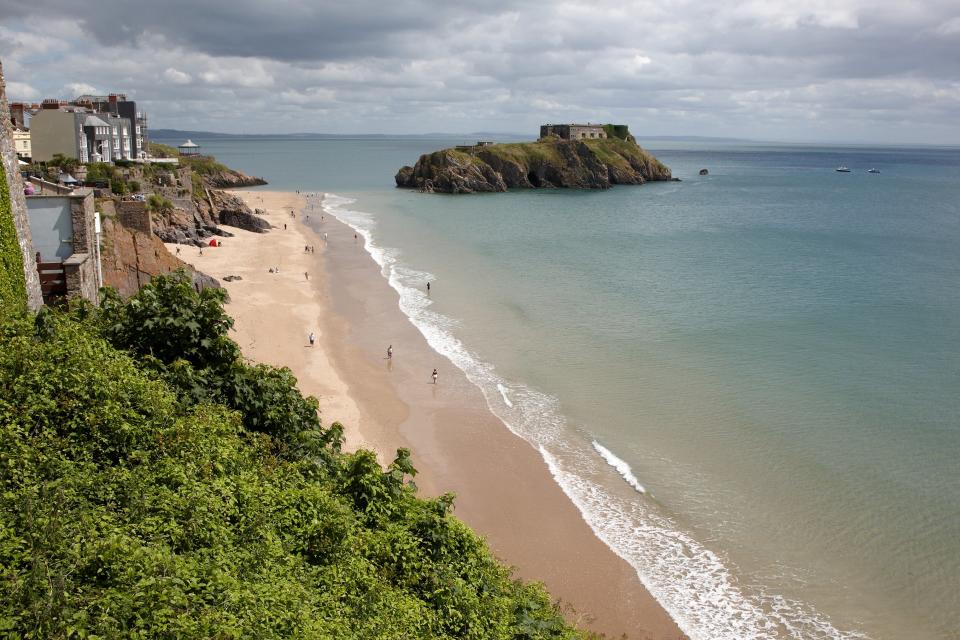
(189,148)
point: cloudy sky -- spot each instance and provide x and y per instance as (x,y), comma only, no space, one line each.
(812,70)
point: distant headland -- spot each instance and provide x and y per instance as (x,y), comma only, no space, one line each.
(577,156)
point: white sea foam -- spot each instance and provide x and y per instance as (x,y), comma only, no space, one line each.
(620,465)
(693,583)
(503,392)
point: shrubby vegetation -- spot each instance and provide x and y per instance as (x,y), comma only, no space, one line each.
(156,202)
(203,165)
(162,150)
(13,284)
(156,485)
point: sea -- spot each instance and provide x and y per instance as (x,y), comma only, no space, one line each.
(748,382)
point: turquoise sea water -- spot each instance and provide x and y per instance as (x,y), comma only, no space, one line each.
(749,383)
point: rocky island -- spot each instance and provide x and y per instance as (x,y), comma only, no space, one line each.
(565,156)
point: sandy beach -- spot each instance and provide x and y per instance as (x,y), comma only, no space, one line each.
(504,489)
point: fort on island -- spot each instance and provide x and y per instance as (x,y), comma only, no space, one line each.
(573,131)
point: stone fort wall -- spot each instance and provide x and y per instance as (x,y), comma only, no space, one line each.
(573,131)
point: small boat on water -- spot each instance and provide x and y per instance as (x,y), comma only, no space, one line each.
(873,170)
(843,169)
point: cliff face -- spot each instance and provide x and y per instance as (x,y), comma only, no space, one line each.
(129,259)
(548,163)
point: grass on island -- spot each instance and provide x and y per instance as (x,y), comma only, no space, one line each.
(525,153)
(625,154)
(155,484)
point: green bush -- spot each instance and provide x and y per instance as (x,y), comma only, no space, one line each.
(158,203)
(129,510)
(203,165)
(158,150)
(118,186)
(100,172)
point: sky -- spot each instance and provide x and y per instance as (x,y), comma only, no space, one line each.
(877,71)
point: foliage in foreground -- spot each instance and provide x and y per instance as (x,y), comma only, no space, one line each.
(138,498)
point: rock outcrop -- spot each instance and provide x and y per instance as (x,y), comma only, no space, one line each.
(232,179)
(547,163)
(130,258)
(229,209)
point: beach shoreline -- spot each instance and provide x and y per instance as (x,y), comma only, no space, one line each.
(504,489)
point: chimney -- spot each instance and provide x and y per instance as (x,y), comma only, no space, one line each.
(17,110)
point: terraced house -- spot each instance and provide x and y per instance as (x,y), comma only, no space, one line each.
(90,129)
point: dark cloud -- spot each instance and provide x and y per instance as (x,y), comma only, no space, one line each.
(761,67)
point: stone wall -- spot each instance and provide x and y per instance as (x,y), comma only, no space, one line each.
(80,270)
(573,131)
(134,215)
(17,204)
(82,214)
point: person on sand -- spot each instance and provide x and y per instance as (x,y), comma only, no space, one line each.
(390,352)
(201,250)
(428,288)
(312,338)
(284,226)
(434,376)
(178,250)
(306,275)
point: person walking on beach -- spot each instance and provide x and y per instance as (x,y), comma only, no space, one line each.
(434,376)
(306,275)
(390,352)
(428,288)
(312,338)
(284,226)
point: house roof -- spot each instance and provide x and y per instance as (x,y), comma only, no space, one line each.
(94,121)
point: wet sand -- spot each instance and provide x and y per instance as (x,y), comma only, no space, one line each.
(503,487)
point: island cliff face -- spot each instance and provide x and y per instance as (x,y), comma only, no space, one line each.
(548,163)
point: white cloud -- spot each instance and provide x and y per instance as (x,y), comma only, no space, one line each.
(21,91)
(176,76)
(74,89)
